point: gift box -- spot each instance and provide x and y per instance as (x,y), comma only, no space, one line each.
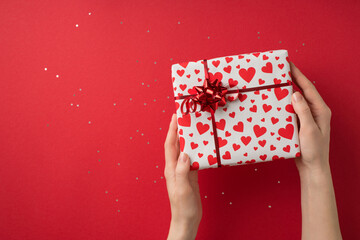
(236,110)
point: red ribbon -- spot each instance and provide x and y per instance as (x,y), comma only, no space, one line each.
(212,95)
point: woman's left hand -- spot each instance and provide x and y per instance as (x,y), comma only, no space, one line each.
(183,188)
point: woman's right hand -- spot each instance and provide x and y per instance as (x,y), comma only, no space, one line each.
(314,116)
(318,204)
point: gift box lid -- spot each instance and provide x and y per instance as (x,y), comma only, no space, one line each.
(240,71)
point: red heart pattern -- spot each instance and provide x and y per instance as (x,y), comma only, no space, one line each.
(182,143)
(267,107)
(236,147)
(227,155)
(247,74)
(227,69)
(255,126)
(287,132)
(194,145)
(239,127)
(259,131)
(202,128)
(245,140)
(216,63)
(185,120)
(221,124)
(222,142)
(180,72)
(281,93)
(194,166)
(262,143)
(212,160)
(233,83)
(267,68)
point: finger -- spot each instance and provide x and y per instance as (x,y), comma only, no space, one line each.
(182,170)
(171,148)
(317,105)
(171,137)
(303,111)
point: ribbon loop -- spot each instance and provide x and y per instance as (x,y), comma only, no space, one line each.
(189,104)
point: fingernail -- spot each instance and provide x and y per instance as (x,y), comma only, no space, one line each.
(297,97)
(183,157)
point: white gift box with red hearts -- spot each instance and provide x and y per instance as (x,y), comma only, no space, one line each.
(253,126)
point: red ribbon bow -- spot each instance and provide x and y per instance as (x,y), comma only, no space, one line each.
(209,96)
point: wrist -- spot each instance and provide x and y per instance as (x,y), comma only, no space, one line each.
(317,174)
(182,229)
(313,166)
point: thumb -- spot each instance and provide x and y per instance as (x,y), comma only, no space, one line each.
(182,169)
(303,110)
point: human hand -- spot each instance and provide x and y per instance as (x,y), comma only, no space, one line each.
(183,188)
(314,116)
(318,205)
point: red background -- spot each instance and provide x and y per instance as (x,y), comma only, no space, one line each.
(63,177)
